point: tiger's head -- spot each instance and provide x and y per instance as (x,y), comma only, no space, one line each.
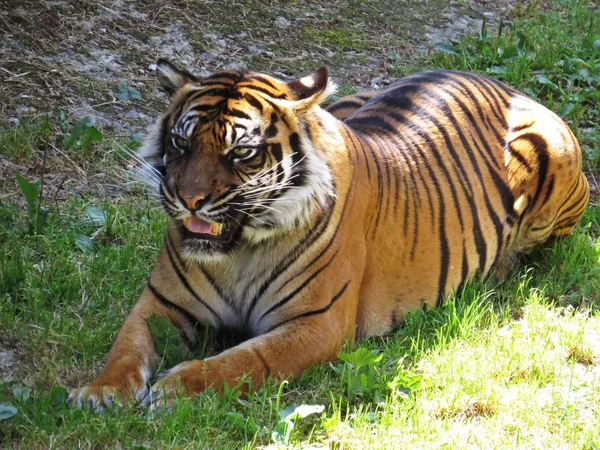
(234,158)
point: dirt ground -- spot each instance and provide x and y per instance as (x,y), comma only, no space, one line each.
(76,58)
(70,56)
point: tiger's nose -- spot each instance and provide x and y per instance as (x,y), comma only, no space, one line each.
(194,202)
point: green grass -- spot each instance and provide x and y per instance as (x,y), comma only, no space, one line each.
(20,142)
(515,365)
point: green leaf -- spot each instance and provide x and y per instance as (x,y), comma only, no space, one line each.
(407,382)
(497,70)
(566,109)
(509,52)
(445,47)
(91,135)
(21,393)
(355,386)
(58,394)
(483,34)
(523,42)
(300,412)
(84,243)
(125,92)
(282,431)
(78,130)
(7,411)
(31,191)
(393,56)
(545,81)
(360,357)
(96,215)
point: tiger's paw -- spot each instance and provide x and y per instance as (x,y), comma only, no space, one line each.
(98,397)
(187,377)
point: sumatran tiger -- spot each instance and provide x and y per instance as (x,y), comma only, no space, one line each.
(300,232)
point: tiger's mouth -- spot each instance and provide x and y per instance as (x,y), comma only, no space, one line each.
(202,227)
(203,230)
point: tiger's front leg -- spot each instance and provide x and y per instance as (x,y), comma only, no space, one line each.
(131,361)
(291,345)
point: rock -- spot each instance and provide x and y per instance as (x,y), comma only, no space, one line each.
(132,114)
(8,365)
(24,109)
(282,22)
(254,50)
(376,80)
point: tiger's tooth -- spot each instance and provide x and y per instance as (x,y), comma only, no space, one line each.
(216,228)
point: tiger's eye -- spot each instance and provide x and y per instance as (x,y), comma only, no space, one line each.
(181,142)
(240,152)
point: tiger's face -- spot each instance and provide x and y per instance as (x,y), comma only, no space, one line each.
(237,165)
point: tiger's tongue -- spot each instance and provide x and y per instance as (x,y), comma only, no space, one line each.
(196,225)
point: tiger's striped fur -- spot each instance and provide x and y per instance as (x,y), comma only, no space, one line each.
(332,230)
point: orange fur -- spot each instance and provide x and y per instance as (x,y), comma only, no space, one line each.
(439,178)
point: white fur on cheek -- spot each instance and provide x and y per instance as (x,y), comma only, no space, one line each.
(298,206)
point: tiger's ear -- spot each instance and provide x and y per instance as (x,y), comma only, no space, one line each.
(313,89)
(171,78)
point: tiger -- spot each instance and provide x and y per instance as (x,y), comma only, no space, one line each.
(296,230)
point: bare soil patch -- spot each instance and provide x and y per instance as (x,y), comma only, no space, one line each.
(74,57)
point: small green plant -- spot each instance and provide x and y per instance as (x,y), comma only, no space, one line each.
(37,216)
(82,135)
(7,410)
(406,382)
(288,417)
(126,92)
(360,373)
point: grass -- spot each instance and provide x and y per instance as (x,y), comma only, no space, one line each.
(515,365)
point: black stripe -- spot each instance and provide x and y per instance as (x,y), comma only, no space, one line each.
(521,127)
(192,321)
(262,360)
(188,287)
(233,76)
(515,153)
(263,80)
(316,311)
(265,91)
(299,170)
(202,108)
(549,190)
(296,291)
(415,128)
(214,92)
(343,104)
(541,149)
(303,245)
(217,288)
(271,130)
(253,101)
(240,114)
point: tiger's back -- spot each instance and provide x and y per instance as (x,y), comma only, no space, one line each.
(463,174)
